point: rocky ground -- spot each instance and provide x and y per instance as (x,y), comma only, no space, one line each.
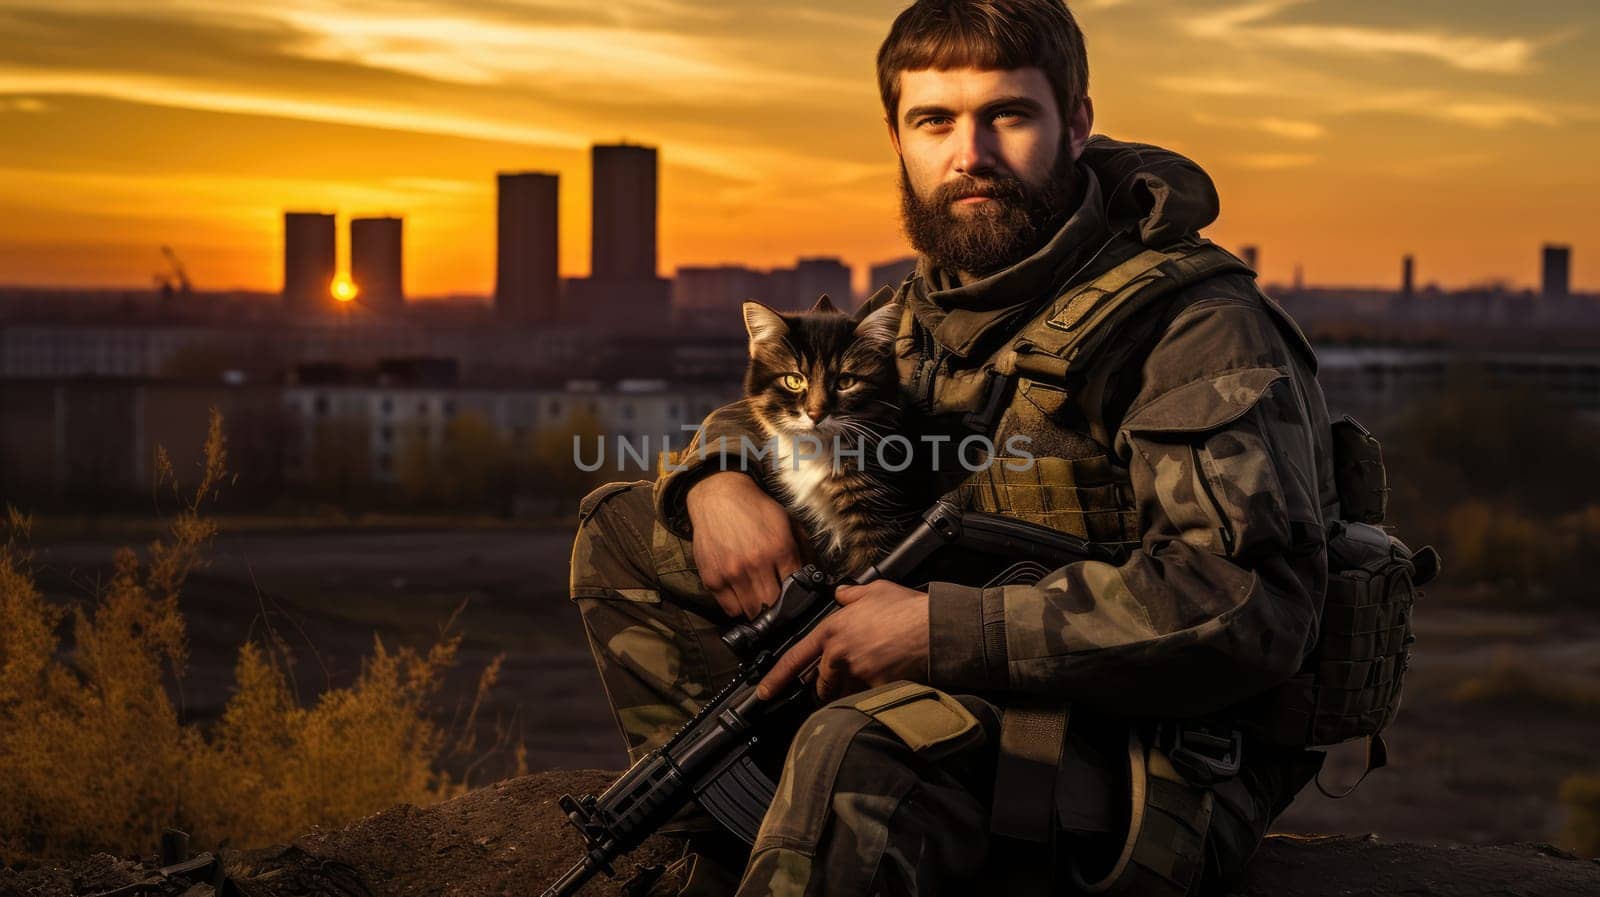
(511,839)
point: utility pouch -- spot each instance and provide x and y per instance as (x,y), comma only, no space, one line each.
(1358,472)
(1349,685)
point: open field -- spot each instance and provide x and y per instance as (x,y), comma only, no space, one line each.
(1480,770)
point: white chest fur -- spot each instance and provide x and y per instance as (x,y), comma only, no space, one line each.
(808,477)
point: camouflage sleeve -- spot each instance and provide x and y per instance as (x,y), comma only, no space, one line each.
(1221,599)
(717,446)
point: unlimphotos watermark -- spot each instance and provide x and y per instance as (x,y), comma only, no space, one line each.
(893,453)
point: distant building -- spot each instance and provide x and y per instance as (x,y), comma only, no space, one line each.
(95,441)
(890,273)
(633,307)
(309,262)
(375,263)
(47,350)
(1251,255)
(711,296)
(624,212)
(1408,277)
(527,285)
(781,292)
(815,276)
(374,425)
(1557,281)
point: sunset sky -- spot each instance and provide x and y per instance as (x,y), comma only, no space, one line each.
(1341,133)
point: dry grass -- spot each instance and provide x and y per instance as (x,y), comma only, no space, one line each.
(1513,676)
(1581,795)
(97,758)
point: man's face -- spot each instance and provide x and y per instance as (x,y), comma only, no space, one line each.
(987,164)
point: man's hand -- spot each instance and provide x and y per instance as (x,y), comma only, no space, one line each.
(880,635)
(743,544)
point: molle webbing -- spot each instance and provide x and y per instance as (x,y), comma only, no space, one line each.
(1083,497)
(1350,684)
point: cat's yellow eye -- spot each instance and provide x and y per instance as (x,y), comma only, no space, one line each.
(794,382)
(844,381)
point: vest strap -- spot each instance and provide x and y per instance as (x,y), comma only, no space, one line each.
(1082,318)
(1032,735)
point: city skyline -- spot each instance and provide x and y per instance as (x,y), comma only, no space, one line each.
(1341,136)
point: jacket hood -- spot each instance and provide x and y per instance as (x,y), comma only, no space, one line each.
(1157,193)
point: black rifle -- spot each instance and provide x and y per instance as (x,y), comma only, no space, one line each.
(709,759)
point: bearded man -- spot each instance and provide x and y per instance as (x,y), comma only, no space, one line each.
(1090,731)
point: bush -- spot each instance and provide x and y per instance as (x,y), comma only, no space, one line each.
(96,757)
(1581,795)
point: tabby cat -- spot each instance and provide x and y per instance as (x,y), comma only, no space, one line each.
(816,380)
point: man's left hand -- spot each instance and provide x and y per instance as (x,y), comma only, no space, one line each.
(880,635)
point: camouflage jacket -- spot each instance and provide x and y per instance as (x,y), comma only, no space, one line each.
(1204,421)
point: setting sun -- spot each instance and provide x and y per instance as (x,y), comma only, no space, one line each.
(344,289)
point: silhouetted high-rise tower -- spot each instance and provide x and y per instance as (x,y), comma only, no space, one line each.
(527,282)
(375,263)
(624,233)
(309,262)
(1557,281)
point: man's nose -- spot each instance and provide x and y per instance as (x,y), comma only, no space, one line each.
(974,148)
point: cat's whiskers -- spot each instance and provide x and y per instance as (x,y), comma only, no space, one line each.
(856,428)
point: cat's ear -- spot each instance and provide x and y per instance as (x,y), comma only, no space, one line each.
(882,325)
(823,304)
(763,323)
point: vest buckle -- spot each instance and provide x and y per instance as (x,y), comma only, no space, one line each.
(1204,755)
(987,417)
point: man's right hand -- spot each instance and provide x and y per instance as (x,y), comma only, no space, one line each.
(743,543)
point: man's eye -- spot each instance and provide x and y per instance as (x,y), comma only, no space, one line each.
(794,382)
(933,121)
(844,381)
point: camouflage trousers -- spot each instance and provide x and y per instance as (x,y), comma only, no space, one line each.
(884,792)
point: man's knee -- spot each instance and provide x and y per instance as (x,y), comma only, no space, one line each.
(926,720)
(901,725)
(611,552)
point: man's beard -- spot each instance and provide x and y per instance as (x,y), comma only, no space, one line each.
(994,235)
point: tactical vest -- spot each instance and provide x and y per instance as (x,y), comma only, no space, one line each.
(1036,379)
(1349,686)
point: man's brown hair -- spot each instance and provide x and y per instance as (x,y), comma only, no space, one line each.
(986,34)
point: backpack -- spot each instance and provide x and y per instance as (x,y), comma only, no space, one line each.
(1349,685)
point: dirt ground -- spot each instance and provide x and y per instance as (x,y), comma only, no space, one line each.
(1477,772)
(509,839)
